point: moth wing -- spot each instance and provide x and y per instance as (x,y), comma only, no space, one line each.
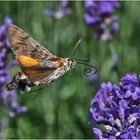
(37,75)
(23,44)
(31,54)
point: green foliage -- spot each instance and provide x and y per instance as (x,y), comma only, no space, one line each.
(61,109)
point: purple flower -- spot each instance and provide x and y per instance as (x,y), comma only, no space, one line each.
(3,33)
(4,76)
(99,16)
(8,100)
(15,107)
(63,10)
(116,107)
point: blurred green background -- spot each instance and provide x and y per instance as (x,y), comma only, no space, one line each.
(61,110)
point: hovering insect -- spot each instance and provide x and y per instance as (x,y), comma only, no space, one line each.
(39,66)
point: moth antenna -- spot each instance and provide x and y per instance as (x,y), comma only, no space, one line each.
(77,44)
(83,60)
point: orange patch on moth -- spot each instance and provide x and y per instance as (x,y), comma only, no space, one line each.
(27,61)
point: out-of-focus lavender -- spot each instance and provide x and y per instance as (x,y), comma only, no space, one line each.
(62,11)
(100,16)
(8,100)
(4,123)
(115,111)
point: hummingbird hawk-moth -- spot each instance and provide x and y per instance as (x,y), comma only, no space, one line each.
(39,66)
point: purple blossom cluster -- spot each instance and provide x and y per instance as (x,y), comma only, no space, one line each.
(100,16)
(8,99)
(63,10)
(115,112)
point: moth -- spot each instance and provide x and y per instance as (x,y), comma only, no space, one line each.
(38,65)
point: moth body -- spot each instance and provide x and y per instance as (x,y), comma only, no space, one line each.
(21,81)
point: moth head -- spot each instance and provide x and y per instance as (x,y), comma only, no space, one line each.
(69,63)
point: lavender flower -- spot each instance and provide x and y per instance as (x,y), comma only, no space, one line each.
(3,37)
(63,10)
(116,109)
(8,100)
(99,16)
(15,107)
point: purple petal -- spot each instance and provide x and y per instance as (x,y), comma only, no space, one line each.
(98,133)
(115,26)
(106,7)
(67,11)
(49,12)
(90,4)
(128,94)
(8,21)
(64,4)
(90,20)
(13,63)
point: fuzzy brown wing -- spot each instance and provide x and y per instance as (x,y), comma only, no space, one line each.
(31,54)
(23,44)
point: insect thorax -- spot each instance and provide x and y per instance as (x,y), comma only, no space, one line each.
(68,64)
